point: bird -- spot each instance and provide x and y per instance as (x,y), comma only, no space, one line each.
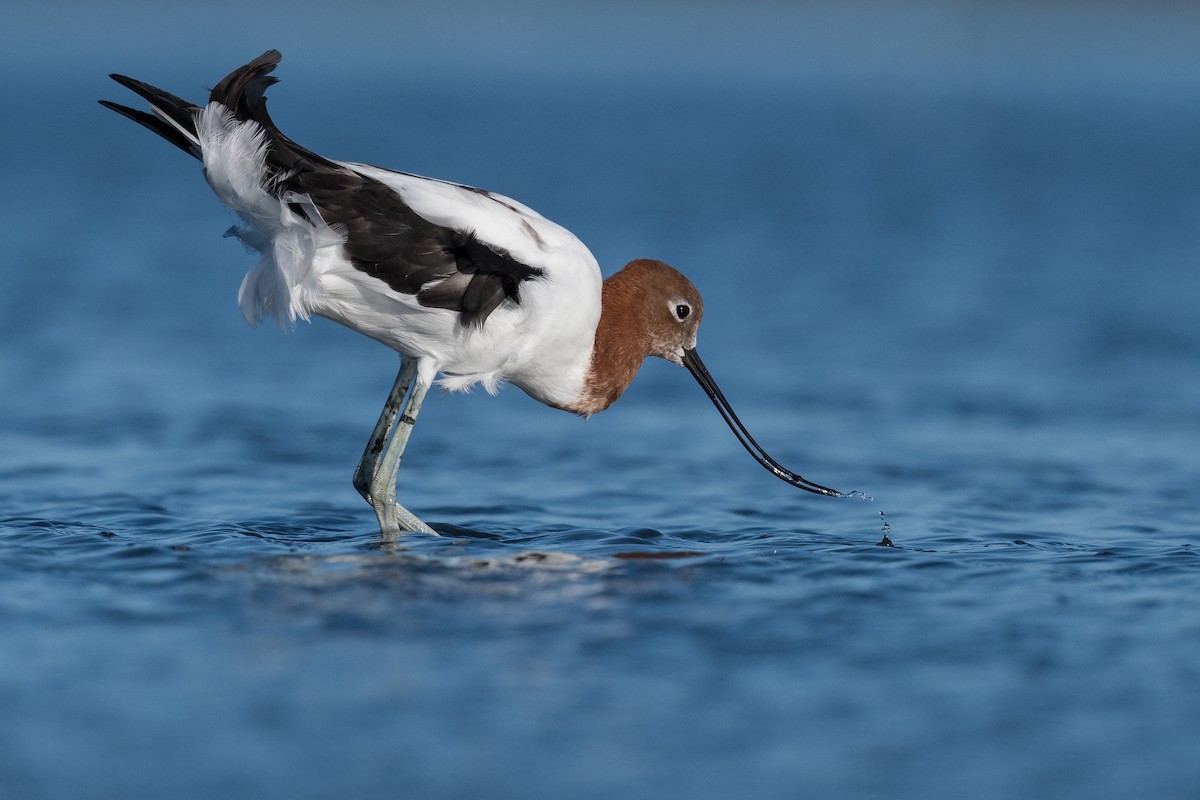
(469,286)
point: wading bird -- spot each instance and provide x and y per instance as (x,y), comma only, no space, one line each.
(463,283)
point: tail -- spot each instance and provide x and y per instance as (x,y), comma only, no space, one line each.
(174,119)
(248,162)
(242,92)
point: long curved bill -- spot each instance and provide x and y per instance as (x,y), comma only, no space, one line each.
(691,360)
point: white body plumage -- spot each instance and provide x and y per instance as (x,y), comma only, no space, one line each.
(542,344)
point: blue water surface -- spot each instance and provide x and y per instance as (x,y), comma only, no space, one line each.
(960,279)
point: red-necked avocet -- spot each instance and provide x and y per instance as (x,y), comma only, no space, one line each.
(463,283)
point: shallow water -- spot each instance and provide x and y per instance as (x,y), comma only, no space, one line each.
(976,306)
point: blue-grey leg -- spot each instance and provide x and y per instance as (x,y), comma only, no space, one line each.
(375,477)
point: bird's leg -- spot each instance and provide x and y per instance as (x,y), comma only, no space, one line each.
(399,517)
(375,477)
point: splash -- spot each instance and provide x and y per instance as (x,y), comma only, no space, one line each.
(887,529)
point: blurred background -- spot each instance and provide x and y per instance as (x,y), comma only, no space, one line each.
(949,257)
(981,193)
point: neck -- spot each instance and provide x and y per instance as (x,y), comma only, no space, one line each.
(622,343)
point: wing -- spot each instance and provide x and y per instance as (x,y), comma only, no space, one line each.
(449,267)
(444,264)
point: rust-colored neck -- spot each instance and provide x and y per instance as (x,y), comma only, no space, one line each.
(622,340)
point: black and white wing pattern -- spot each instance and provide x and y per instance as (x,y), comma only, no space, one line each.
(294,201)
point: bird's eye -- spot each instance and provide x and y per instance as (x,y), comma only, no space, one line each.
(682,310)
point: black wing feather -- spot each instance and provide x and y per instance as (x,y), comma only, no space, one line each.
(385,237)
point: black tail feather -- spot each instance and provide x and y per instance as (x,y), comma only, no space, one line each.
(243,91)
(175,109)
(163,129)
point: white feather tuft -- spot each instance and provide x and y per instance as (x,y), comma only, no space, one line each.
(283,284)
(490,381)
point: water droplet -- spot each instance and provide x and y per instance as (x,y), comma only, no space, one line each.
(887,529)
